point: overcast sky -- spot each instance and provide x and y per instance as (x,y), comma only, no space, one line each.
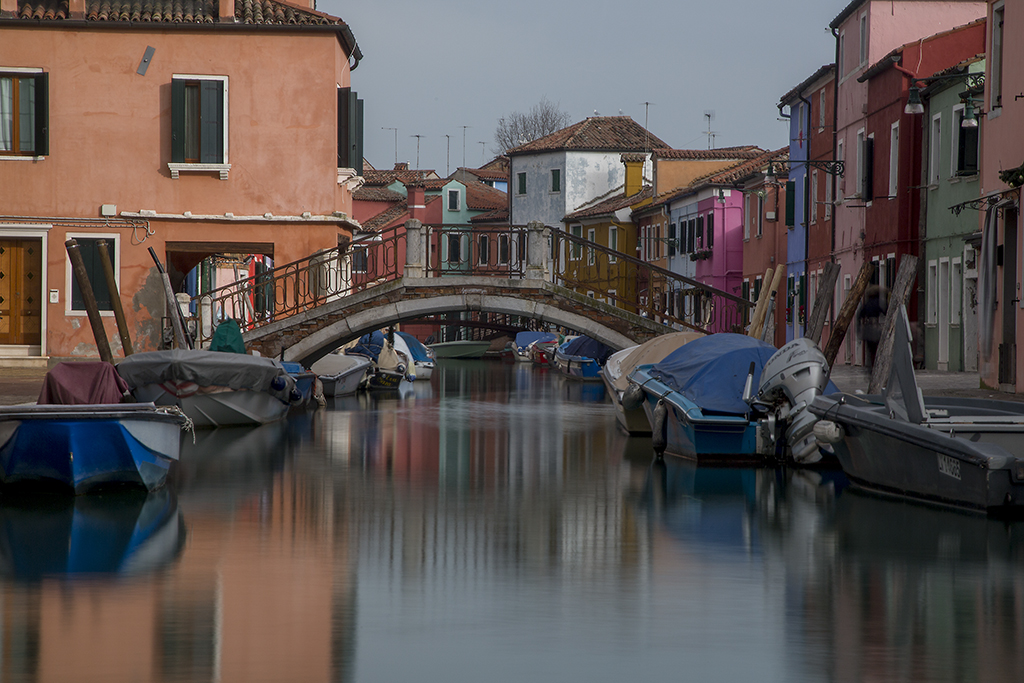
(430,68)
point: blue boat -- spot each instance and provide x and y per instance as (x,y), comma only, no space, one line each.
(694,397)
(581,358)
(305,382)
(67,443)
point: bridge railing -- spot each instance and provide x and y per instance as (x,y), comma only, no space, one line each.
(496,251)
(640,287)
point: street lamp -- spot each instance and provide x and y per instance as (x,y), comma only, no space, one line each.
(830,166)
(975,81)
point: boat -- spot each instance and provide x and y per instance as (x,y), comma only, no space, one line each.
(305,382)
(694,398)
(389,368)
(464,349)
(615,375)
(542,351)
(518,350)
(961,452)
(121,533)
(340,373)
(213,388)
(421,355)
(78,438)
(581,358)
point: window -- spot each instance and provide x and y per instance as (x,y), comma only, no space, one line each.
(995,79)
(700,232)
(504,244)
(592,236)
(691,235)
(454,200)
(760,214)
(863,38)
(965,146)
(23,113)
(934,142)
(576,253)
(814,196)
(894,159)
(359,260)
(821,110)
(711,229)
(88,247)
(828,198)
(890,272)
(556,180)
(454,249)
(613,242)
(757,288)
(790,292)
(199,120)
(956,295)
(484,250)
(350,130)
(842,53)
(860,163)
(745,291)
(842,178)
(520,183)
(791,203)
(868,173)
(747,216)
(672,239)
(933,286)
(813,291)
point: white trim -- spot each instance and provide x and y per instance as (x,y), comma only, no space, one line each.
(894,159)
(68,274)
(448,199)
(20,70)
(935,150)
(18,230)
(224,166)
(175,169)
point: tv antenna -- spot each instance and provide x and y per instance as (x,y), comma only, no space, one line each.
(647,131)
(417,149)
(709,114)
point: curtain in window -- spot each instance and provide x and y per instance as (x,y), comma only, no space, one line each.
(6,114)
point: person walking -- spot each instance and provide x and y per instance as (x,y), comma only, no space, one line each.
(870,318)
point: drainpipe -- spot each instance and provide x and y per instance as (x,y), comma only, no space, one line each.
(834,177)
(807,218)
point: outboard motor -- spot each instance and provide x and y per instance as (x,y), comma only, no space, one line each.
(789,382)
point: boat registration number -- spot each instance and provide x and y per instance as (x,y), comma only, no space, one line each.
(949,466)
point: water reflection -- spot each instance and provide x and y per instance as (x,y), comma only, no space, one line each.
(490,526)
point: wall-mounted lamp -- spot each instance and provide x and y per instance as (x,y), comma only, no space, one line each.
(970,119)
(829,166)
(975,81)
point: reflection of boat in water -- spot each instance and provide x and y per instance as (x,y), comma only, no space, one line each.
(229,458)
(460,348)
(580,392)
(123,533)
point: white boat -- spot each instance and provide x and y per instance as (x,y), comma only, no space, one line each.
(460,348)
(616,370)
(341,374)
(422,357)
(213,388)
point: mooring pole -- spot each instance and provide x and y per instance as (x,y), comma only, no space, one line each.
(115,298)
(89,299)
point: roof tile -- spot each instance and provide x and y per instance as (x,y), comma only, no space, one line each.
(596,133)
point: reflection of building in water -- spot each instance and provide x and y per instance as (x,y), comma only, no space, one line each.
(263,591)
(886,590)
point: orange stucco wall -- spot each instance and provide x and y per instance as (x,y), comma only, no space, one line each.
(109,132)
(674,173)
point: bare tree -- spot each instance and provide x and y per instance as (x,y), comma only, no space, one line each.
(518,128)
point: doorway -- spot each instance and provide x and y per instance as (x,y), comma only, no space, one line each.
(21,292)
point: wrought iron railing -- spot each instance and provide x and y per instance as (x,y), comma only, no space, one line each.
(640,287)
(586,267)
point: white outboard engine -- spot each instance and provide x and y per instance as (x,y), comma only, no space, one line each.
(789,382)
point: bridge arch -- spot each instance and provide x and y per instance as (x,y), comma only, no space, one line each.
(327,326)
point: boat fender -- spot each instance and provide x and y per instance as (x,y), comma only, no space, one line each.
(658,438)
(828,432)
(277,384)
(633,397)
(295,396)
(410,377)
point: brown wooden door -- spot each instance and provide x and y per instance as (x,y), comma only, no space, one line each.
(21,298)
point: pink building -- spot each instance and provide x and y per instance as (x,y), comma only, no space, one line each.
(1002,174)
(866,31)
(230,129)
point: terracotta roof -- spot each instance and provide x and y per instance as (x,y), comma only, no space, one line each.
(488,174)
(434,183)
(722,153)
(597,133)
(610,205)
(377,193)
(385,178)
(483,197)
(496,216)
(742,170)
(795,92)
(386,217)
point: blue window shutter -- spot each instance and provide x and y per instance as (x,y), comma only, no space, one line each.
(211,116)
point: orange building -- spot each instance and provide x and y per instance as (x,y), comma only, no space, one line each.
(198,129)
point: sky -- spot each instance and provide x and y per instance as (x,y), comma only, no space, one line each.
(454,67)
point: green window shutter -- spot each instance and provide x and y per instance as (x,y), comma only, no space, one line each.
(522,183)
(42,115)
(97,277)
(791,203)
(343,128)
(211,122)
(868,172)
(178,122)
(350,130)
(556,180)
(357,136)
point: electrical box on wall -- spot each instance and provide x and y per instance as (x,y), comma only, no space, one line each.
(108,210)
(54,296)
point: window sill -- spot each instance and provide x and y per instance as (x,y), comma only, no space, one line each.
(222,169)
(19,157)
(76,313)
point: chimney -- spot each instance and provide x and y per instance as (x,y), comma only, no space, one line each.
(401,165)
(416,201)
(634,162)
(76,8)
(227,11)
(9,8)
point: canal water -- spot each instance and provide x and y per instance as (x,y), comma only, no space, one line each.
(495,525)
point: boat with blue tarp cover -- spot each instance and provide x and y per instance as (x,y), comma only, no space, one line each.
(518,350)
(582,358)
(389,369)
(421,356)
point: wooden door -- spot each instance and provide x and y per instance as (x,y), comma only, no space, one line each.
(21,291)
